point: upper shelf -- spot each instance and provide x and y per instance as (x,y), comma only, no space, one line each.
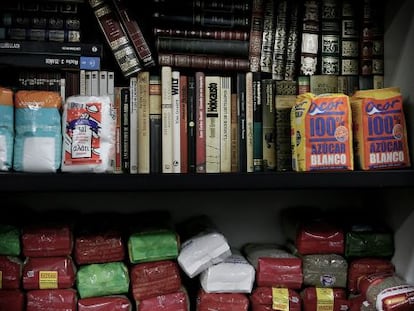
(67,182)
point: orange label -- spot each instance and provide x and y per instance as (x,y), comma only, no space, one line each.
(324,299)
(1,279)
(48,279)
(280,299)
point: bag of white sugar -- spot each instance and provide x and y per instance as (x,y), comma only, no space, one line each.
(88,127)
(380,133)
(38,137)
(6,128)
(321,129)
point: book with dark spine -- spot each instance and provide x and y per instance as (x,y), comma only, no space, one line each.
(155,124)
(323,84)
(116,37)
(209,62)
(349,39)
(228,48)
(280,43)
(217,34)
(330,40)
(204,5)
(256,32)
(266,54)
(268,93)
(241,120)
(292,44)
(135,35)
(257,123)
(191,127)
(42,61)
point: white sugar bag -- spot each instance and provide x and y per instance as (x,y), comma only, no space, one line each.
(202,251)
(234,275)
(88,126)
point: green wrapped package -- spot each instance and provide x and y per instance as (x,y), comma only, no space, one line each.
(102,279)
(9,240)
(369,244)
(153,246)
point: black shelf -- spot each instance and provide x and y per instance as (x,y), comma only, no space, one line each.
(67,182)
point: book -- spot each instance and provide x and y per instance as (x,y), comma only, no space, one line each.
(322,84)
(200,122)
(125,146)
(51,48)
(41,61)
(217,34)
(192,119)
(292,44)
(225,124)
(206,62)
(176,121)
(204,6)
(241,121)
(268,94)
(155,117)
(280,42)
(183,123)
(133,30)
(118,130)
(257,123)
(143,144)
(212,117)
(249,93)
(266,54)
(229,48)
(256,32)
(133,126)
(310,38)
(116,37)
(167,119)
(349,37)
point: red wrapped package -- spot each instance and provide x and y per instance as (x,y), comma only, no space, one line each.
(268,298)
(10,272)
(46,241)
(11,300)
(365,266)
(105,303)
(376,278)
(48,272)
(222,301)
(279,272)
(177,301)
(154,279)
(317,298)
(99,248)
(320,238)
(51,300)
(355,302)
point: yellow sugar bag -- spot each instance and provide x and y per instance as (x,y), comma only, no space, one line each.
(380,133)
(321,129)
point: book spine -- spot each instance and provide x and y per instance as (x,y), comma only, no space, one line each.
(212,95)
(257,123)
(256,32)
(125,148)
(330,43)
(103,82)
(118,130)
(202,34)
(266,54)
(268,129)
(143,122)
(229,48)
(249,123)
(200,122)
(95,83)
(167,119)
(323,84)
(349,39)
(155,124)
(292,45)
(47,35)
(41,61)
(279,50)
(184,123)
(206,6)
(225,124)
(210,62)
(234,134)
(135,34)
(241,119)
(176,129)
(116,37)
(133,126)
(191,117)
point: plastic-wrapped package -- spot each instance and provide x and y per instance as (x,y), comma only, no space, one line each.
(12,300)
(177,301)
(253,251)
(10,240)
(276,298)
(325,270)
(318,298)
(221,301)
(6,129)
(105,303)
(10,272)
(38,131)
(51,300)
(280,272)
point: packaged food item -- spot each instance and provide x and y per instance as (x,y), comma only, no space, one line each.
(6,129)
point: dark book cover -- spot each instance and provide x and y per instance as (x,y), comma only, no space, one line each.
(241,119)
(155,125)
(191,118)
(256,33)
(280,42)
(41,61)
(125,146)
(184,123)
(292,44)
(269,19)
(257,123)
(224,6)
(268,93)
(217,34)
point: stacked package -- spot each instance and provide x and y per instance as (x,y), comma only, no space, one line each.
(274,298)
(103,277)
(155,275)
(48,270)
(6,128)
(11,295)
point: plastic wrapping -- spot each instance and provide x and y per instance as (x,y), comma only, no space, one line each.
(268,298)
(325,270)
(10,272)
(9,240)
(222,301)
(105,303)
(12,300)
(6,129)
(280,272)
(253,251)
(51,300)
(317,298)
(177,301)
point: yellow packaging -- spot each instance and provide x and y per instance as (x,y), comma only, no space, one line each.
(380,133)
(321,129)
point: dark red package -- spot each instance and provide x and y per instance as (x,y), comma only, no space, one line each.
(154,279)
(263,298)
(48,272)
(99,248)
(355,302)
(279,272)
(398,298)
(51,300)
(11,300)
(222,301)
(331,298)
(177,301)
(365,266)
(105,303)
(10,272)
(46,241)
(320,238)
(373,279)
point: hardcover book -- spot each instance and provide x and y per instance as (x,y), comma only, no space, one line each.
(200,122)
(167,119)
(225,124)
(155,124)
(176,124)
(143,85)
(213,106)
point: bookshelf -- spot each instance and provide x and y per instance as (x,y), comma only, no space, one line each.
(250,201)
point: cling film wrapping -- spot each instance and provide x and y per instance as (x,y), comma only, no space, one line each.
(380,131)
(321,132)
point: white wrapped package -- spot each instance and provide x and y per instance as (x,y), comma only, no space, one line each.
(254,251)
(202,251)
(88,126)
(234,275)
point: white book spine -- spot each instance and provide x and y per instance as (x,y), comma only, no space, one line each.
(143,123)
(88,83)
(175,96)
(213,86)
(225,125)
(167,119)
(103,82)
(249,122)
(82,82)
(133,126)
